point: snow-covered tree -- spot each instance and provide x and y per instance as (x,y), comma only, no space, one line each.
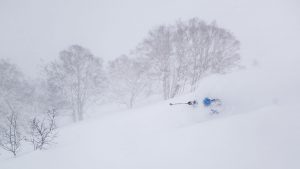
(158,48)
(15,91)
(182,54)
(127,79)
(224,49)
(75,79)
(210,49)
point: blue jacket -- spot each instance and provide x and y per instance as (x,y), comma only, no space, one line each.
(207,101)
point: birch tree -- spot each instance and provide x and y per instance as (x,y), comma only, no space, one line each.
(10,135)
(15,91)
(75,79)
(211,50)
(127,79)
(157,46)
(182,54)
(42,132)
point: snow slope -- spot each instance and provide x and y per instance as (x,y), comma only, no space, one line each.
(258,129)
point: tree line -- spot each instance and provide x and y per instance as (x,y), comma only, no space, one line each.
(170,60)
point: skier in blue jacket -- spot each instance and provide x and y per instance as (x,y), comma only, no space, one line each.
(212,104)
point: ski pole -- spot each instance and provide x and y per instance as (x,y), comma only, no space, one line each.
(189,103)
(171,104)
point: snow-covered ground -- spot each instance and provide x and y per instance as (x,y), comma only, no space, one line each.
(258,128)
(259,124)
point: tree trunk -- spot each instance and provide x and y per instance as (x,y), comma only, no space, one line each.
(166,88)
(80,112)
(74,117)
(131,101)
(80,116)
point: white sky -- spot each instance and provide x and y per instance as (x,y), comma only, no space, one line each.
(32,32)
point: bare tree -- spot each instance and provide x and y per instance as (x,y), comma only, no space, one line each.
(75,79)
(224,49)
(158,48)
(10,136)
(211,50)
(14,90)
(182,54)
(127,79)
(181,42)
(43,132)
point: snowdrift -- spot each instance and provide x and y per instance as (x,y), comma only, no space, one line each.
(258,128)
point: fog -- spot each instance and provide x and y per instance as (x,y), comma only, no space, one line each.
(34,31)
(149,84)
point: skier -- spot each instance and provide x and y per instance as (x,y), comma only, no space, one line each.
(207,102)
(212,104)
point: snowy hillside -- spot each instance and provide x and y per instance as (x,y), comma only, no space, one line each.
(104,72)
(258,128)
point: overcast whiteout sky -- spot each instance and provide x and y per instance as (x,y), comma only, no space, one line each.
(32,32)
